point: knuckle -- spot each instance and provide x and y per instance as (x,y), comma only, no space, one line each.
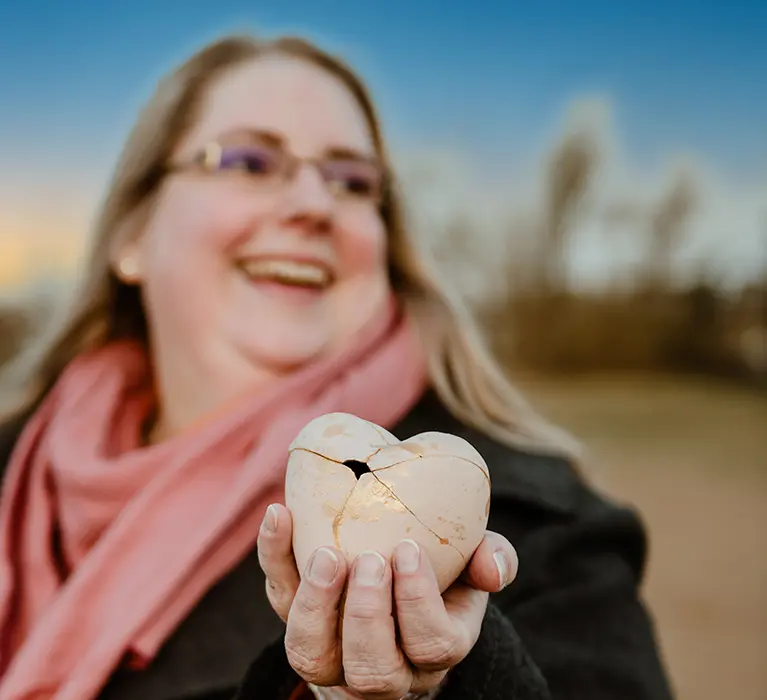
(266,555)
(363,609)
(377,678)
(308,603)
(312,668)
(426,682)
(437,651)
(279,598)
(415,592)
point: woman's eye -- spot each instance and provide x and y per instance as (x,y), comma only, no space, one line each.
(358,185)
(251,161)
(354,178)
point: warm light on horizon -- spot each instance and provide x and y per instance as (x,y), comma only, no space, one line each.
(29,258)
(43,229)
(44,224)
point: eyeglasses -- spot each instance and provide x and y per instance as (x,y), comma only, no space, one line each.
(346,176)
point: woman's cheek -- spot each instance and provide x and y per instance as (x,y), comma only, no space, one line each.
(366,291)
(364,248)
(209,221)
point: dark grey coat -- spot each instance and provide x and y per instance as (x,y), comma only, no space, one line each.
(571,627)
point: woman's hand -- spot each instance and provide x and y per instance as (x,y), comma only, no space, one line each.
(363,650)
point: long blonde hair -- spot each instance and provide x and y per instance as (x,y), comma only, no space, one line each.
(462,370)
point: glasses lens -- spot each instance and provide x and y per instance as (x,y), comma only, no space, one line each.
(355,178)
(261,161)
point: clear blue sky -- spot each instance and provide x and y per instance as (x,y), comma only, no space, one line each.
(492,77)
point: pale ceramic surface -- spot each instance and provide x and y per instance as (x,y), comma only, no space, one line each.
(433,488)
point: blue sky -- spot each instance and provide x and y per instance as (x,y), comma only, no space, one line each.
(493,78)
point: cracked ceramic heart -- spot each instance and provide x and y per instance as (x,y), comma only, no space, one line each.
(353,485)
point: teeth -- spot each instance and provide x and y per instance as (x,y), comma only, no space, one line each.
(288,272)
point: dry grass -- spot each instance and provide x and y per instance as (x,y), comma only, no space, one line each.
(651,329)
(692,455)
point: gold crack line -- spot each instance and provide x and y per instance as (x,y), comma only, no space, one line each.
(330,459)
(381,435)
(404,461)
(464,459)
(443,540)
(339,517)
(337,520)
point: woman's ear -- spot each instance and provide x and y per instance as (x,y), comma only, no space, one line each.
(125,254)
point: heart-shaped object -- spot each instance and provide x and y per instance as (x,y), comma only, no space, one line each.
(353,485)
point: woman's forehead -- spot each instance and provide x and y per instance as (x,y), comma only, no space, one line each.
(310,108)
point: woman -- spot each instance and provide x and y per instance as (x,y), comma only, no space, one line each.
(250,273)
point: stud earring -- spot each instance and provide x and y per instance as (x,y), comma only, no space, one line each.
(128,269)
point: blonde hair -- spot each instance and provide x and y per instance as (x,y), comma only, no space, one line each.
(462,371)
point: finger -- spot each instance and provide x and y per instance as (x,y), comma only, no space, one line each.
(311,636)
(493,565)
(373,663)
(275,555)
(430,638)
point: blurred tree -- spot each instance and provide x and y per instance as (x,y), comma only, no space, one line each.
(569,171)
(667,229)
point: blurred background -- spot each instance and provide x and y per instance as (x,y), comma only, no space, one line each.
(592,176)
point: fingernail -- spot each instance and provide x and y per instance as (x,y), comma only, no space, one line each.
(323,567)
(369,569)
(504,567)
(270,519)
(407,557)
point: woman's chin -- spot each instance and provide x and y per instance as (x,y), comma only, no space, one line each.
(287,353)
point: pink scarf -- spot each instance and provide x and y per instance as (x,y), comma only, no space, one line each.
(144,532)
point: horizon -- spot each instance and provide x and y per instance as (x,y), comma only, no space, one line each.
(492,93)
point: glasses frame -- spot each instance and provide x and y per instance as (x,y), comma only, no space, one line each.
(210,157)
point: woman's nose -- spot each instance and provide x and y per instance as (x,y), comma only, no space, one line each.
(307,200)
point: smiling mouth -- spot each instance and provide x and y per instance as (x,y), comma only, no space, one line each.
(288,272)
